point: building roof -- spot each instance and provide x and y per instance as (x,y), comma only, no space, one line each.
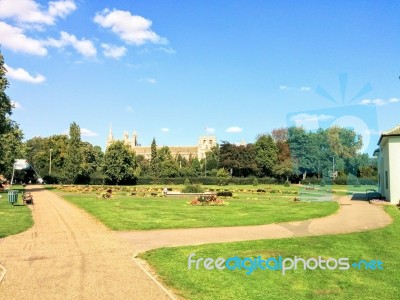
(392,132)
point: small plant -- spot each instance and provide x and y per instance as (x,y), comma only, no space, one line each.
(225,194)
(296,199)
(287,183)
(192,189)
(255,182)
(210,200)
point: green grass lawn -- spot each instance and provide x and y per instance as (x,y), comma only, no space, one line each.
(144,213)
(171,264)
(13,219)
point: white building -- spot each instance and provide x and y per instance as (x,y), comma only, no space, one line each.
(388,156)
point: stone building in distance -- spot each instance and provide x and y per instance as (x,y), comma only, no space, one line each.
(204,144)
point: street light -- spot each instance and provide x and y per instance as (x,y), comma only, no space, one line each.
(51,150)
(333,166)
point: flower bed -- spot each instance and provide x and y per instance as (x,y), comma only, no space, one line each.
(210,200)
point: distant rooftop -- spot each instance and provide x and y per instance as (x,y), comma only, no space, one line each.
(392,132)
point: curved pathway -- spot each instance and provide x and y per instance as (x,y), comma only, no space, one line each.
(353,216)
(67,254)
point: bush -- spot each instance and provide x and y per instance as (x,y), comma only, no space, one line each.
(192,189)
(224,194)
(255,182)
(322,182)
(287,183)
(187,182)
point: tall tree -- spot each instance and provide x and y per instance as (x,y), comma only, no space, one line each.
(5,102)
(154,163)
(74,160)
(119,164)
(11,148)
(266,154)
(239,160)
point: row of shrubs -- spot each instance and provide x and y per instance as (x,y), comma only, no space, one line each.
(345,180)
(350,180)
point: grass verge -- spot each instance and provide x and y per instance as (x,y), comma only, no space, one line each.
(145,213)
(171,264)
(13,218)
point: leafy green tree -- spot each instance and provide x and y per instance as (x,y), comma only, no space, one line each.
(119,164)
(212,158)
(266,154)
(74,159)
(12,148)
(38,154)
(240,160)
(5,102)
(92,158)
(154,162)
(303,152)
(167,164)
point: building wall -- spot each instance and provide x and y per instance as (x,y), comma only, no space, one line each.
(394,169)
(383,168)
(186,152)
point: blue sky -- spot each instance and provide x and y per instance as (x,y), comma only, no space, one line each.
(175,70)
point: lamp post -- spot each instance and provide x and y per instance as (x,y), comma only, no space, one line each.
(333,166)
(51,150)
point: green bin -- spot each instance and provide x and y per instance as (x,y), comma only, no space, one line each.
(12,197)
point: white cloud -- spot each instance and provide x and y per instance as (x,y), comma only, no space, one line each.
(283,87)
(151,80)
(165,129)
(378,101)
(305,89)
(61,8)
(129,109)
(23,75)
(210,130)
(130,28)
(15,39)
(168,50)
(113,51)
(88,132)
(310,122)
(311,118)
(16,105)
(234,129)
(29,11)
(371,132)
(83,46)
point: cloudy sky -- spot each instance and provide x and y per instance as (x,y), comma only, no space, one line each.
(175,70)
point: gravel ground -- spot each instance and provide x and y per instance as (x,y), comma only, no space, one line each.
(67,254)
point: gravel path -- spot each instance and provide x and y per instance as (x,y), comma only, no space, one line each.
(67,254)
(353,216)
(70,255)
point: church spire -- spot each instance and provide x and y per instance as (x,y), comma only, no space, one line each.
(110,138)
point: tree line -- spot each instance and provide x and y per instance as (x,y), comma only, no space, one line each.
(290,154)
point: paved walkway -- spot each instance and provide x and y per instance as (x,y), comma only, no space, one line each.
(353,216)
(69,255)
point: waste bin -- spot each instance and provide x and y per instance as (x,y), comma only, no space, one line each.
(12,197)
